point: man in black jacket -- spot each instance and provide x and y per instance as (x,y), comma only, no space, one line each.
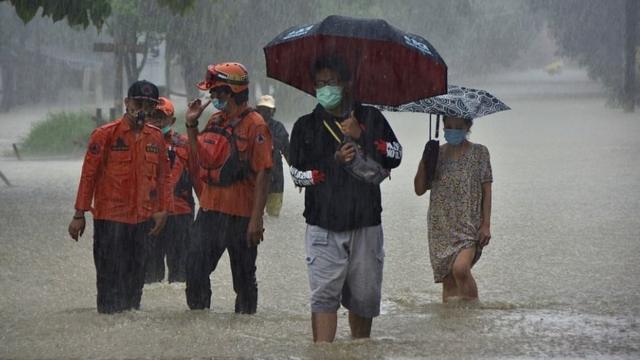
(344,242)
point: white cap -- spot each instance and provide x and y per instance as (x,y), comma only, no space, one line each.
(267,101)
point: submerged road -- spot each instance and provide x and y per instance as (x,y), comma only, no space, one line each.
(560,278)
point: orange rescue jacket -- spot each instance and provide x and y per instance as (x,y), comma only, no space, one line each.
(179,144)
(125,174)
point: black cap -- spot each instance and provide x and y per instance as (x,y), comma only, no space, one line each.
(143,90)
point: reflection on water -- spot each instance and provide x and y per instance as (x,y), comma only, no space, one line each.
(560,278)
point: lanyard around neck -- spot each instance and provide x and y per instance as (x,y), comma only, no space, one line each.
(331,130)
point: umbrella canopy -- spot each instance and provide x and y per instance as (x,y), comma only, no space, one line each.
(388,66)
(459,101)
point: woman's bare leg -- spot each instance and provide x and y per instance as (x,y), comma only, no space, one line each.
(449,288)
(461,272)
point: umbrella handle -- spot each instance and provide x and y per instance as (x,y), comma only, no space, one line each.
(429,126)
(437,126)
(356,75)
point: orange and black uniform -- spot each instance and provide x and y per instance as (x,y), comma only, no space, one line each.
(123,183)
(223,220)
(173,241)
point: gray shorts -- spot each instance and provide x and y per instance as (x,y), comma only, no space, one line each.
(345,266)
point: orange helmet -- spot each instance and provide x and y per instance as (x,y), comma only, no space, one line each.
(165,105)
(231,74)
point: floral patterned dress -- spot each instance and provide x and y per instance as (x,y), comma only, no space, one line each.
(455,207)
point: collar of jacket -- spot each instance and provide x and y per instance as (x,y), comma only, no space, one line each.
(229,117)
(146,128)
(321,114)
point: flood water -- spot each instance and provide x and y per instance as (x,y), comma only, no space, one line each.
(560,278)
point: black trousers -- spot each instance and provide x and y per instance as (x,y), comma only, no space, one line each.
(173,242)
(212,234)
(119,256)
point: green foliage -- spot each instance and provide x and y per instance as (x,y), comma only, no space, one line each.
(87,12)
(178,6)
(59,134)
(77,12)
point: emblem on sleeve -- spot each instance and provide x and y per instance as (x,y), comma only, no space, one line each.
(260,138)
(94,148)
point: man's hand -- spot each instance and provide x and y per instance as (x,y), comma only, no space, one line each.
(484,235)
(76,228)
(346,153)
(255,231)
(351,127)
(159,219)
(194,110)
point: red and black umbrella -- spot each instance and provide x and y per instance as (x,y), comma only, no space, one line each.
(389,66)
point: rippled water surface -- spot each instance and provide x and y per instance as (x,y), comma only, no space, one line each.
(560,278)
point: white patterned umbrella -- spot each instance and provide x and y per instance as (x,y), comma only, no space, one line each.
(459,101)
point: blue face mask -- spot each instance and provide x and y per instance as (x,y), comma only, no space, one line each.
(220,105)
(455,136)
(166,129)
(329,96)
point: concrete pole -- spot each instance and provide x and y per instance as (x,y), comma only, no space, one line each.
(98,85)
(118,93)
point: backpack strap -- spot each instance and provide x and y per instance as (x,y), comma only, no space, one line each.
(243,115)
(234,123)
(237,121)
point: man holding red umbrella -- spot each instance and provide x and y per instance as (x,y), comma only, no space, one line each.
(342,150)
(344,241)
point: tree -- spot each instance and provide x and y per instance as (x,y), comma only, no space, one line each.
(35,60)
(81,12)
(595,33)
(77,12)
(631,49)
(463,31)
(127,21)
(133,21)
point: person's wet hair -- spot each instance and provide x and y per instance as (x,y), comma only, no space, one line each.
(467,121)
(332,63)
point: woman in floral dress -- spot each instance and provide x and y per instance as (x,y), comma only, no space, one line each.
(459,209)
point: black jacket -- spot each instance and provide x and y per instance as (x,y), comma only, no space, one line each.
(340,202)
